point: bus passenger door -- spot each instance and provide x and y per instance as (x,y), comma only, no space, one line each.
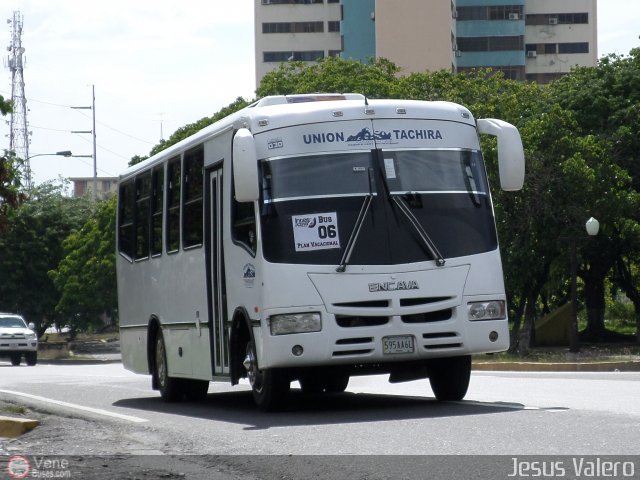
(219,334)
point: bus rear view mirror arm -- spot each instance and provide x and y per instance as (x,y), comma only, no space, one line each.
(510,152)
(245,167)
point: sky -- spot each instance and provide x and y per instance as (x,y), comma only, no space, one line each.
(155,65)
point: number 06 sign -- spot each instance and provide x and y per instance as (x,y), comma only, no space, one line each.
(317,231)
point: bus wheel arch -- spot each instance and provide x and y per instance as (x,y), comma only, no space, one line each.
(152,333)
(268,386)
(241,335)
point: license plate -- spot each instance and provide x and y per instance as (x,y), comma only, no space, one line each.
(397,344)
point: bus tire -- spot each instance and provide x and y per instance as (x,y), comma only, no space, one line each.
(319,383)
(269,386)
(311,384)
(449,377)
(169,387)
(195,390)
(31,358)
(337,383)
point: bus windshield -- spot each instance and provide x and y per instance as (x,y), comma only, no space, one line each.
(306,199)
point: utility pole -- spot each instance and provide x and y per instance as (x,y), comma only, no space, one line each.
(19,135)
(93,131)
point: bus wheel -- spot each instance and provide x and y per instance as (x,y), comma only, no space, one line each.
(449,377)
(268,386)
(329,383)
(337,383)
(169,387)
(195,390)
(31,358)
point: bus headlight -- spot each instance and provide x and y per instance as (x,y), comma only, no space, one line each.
(491,310)
(295,323)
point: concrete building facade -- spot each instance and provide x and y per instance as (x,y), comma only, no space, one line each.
(536,40)
(288,30)
(416,35)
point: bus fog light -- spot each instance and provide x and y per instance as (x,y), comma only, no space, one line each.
(493,336)
(491,310)
(295,323)
(297,350)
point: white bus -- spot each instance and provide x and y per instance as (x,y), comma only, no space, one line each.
(312,238)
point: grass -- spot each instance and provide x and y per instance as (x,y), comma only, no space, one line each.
(588,353)
(15,409)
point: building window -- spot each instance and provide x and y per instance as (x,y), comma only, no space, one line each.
(293,27)
(490,44)
(287,2)
(576,47)
(333,26)
(505,12)
(495,12)
(306,56)
(192,207)
(557,19)
(555,48)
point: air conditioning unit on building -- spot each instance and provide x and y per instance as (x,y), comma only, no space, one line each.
(532,54)
(514,16)
(553,20)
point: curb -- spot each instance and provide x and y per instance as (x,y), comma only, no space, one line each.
(11,427)
(78,361)
(622,366)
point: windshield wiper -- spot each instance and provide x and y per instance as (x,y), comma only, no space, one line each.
(404,208)
(424,236)
(470,182)
(346,256)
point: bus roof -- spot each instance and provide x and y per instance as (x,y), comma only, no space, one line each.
(280,111)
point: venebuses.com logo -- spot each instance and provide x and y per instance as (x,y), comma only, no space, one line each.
(19,466)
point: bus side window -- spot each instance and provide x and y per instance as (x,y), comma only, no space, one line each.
(192,181)
(157,195)
(244,225)
(173,205)
(126,203)
(142,214)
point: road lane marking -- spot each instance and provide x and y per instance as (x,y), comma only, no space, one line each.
(60,403)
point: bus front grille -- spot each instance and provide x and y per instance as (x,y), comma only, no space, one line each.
(428,317)
(353,346)
(442,341)
(350,321)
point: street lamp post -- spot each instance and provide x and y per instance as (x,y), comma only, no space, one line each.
(592,226)
(63,153)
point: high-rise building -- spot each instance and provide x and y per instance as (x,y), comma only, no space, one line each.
(559,36)
(288,30)
(536,40)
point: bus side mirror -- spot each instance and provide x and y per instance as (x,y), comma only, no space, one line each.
(245,167)
(510,152)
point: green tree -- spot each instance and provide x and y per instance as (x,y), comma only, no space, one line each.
(188,130)
(86,277)
(9,177)
(375,79)
(32,245)
(605,101)
(10,188)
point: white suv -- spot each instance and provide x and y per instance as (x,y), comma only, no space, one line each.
(16,338)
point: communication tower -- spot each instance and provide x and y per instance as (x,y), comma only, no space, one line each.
(19,134)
